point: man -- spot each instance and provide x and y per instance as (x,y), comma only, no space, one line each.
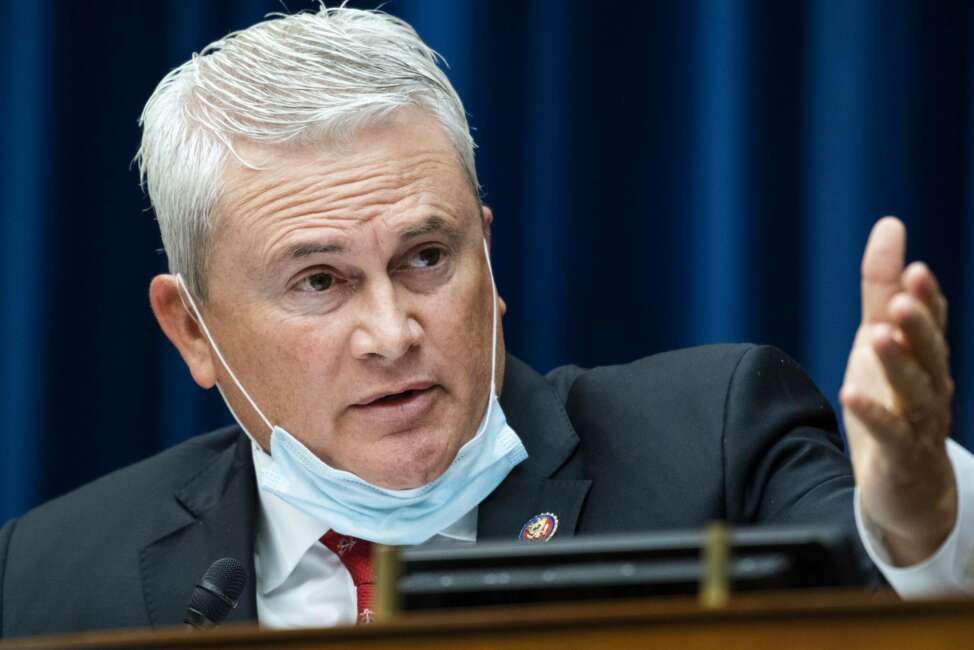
(314,182)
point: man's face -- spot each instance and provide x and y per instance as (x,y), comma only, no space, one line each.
(349,292)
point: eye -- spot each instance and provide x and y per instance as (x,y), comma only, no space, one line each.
(317,282)
(427,257)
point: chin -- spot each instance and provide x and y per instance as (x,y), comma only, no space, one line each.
(422,461)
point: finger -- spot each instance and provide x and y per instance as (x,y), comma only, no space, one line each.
(882,425)
(882,267)
(921,283)
(911,384)
(925,340)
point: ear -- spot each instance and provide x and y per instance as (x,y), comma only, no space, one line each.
(182,329)
(486,222)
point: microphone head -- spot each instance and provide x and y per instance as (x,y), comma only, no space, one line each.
(217,593)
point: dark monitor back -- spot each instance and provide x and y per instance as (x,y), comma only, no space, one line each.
(621,566)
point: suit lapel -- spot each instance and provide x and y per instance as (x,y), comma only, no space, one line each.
(537,414)
(212,516)
(503,514)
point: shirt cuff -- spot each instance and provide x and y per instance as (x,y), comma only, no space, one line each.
(950,570)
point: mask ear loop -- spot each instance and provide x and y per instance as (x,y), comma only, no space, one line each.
(493,331)
(198,317)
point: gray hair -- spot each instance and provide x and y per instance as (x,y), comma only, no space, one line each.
(291,79)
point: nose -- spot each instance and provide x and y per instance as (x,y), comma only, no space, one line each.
(385,330)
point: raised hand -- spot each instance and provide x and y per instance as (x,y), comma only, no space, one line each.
(896,400)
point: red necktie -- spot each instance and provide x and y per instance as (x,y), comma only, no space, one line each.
(356,555)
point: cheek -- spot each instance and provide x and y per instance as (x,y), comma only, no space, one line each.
(301,362)
(458,327)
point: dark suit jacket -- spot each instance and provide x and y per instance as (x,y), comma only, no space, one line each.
(737,433)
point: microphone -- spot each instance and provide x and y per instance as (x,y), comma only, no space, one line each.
(216,594)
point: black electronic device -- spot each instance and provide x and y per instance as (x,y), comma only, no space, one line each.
(216,594)
(620,566)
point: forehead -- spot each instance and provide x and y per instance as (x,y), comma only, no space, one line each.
(402,168)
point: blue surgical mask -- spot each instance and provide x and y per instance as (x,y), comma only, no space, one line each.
(351,505)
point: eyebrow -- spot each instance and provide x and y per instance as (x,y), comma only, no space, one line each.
(429,225)
(306,250)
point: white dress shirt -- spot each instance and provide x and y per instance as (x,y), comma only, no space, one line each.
(300,583)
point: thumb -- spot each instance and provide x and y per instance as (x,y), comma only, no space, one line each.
(882,267)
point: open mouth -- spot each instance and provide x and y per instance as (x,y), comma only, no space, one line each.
(396,398)
(400,410)
(402,398)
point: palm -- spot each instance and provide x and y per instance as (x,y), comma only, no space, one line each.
(896,399)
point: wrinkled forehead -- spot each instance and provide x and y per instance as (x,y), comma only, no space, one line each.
(399,169)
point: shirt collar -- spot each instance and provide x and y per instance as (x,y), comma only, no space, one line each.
(285,534)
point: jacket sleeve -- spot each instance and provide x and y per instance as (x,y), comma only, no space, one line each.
(5,534)
(784,459)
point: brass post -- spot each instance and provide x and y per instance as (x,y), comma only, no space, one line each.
(715,578)
(387,567)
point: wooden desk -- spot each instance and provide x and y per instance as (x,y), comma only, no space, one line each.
(792,621)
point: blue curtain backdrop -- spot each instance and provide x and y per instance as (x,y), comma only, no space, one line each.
(664,174)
